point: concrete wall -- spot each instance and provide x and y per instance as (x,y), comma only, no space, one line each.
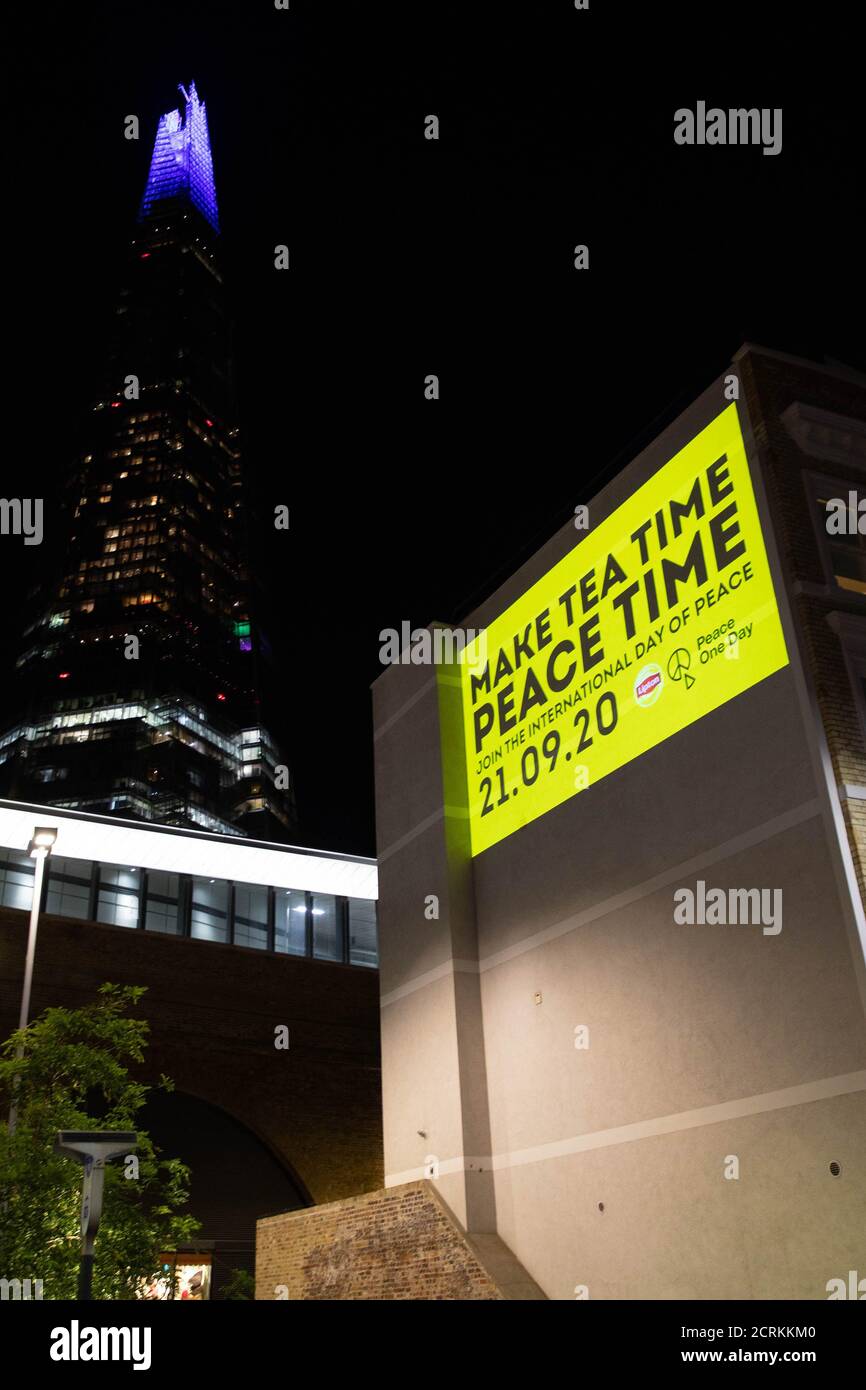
(604,1167)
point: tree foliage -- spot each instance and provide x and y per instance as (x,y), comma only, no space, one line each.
(75,1074)
(238,1287)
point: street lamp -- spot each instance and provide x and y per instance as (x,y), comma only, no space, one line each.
(92,1149)
(41,845)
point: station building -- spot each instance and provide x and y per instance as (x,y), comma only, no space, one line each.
(233,939)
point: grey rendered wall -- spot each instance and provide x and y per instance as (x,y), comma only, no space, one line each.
(705,1042)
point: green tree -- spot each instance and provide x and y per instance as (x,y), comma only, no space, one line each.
(75,1074)
(239,1286)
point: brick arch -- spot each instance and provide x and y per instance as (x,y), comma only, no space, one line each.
(235,1177)
(212,1011)
(262,1140)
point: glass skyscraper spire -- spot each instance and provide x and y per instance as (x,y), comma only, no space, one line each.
(182,164)
(141,671)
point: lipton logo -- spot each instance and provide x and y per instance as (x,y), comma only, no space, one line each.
(648,685)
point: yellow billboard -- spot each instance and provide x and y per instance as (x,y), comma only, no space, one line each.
(658,616)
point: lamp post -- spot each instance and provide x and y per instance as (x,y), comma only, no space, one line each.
(92,1149)
(41,845)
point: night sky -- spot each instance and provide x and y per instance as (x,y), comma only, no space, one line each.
(411,256)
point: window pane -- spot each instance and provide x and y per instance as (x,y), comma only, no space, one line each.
(251,915)
(849,565)
(363,940)
(291,922)
(162,900)
(326,943)
(119,876)
(845,547)
(16,880)
(209,920)
(119,889)
(68,886)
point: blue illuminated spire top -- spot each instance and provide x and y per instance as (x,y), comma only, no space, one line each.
(182,166)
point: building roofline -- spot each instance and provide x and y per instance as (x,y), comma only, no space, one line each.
(828,368)
(241,841)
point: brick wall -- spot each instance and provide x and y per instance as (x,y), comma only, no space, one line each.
(771,386)
(213,1010)
(398,1243)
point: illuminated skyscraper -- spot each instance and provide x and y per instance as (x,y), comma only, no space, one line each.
(141,672)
